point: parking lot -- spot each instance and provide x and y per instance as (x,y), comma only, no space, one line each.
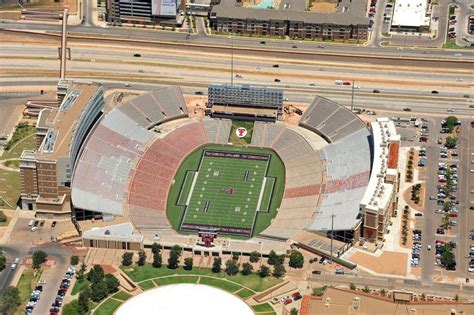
(449,217)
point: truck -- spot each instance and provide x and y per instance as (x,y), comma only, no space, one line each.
(338,82)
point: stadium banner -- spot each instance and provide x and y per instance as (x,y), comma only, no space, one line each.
(236,155)
(164,8)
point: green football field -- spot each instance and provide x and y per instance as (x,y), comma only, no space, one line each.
(235,190)
(225,192)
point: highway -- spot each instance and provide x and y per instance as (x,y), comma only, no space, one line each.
(181,37)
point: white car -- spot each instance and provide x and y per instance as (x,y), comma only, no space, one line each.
(470,269)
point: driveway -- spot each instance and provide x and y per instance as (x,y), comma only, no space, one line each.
(52,276)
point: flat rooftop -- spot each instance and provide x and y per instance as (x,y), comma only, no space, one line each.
(410,13)
(62,121)
(348,12)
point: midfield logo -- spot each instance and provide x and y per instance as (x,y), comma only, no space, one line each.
(241,132)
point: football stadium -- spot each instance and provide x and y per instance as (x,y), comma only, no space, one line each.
(151,169)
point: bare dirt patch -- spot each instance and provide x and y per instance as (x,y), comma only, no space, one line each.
(410,203)
(392,263)
(324,6)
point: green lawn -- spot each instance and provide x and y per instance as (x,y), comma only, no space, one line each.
(244,293)
(146,285)
(78,287)
(121,296)
(222,284)
(233,138)
(226,196)
(9,189)
(108,307)
(253,281)
(176,279)
(22,139)
(26,284)
(263,308)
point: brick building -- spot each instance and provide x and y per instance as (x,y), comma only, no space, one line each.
(349,22)
(46,173)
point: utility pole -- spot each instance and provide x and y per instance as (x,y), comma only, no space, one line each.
(332,232)
(62,71)
(232,60)
(352,97)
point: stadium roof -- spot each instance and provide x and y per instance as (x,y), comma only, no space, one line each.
(62,121)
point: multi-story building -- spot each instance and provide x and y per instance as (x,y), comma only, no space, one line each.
(380,198)
(46,173)
(143,11)
(244,101)
(349,22)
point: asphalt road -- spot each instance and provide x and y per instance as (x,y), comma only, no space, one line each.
(181,37)
(6,276)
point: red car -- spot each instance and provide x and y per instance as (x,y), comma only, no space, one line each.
(295,294)
(287,301)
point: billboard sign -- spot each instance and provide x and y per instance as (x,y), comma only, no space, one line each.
(163,8)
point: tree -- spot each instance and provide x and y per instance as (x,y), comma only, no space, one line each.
(278,270)
(157,260)
(141,258)
(366,289)
(264,271)
(272,257)
(127,258)
(81,272)
(39,257)
(10,300)
(96,274)
(231,267)
(296,259)
(155,248)
(99,291)
(254,256)
(451,142)
(352,286)
(294,311)
(451,122)
(188,263)
(3,217)
(319,291)
(112,282)
(83,302)
(177,249)
(74,260)
(383,292)
(173,260)
(246,269)
(216,265)
(3,261)
(235,256)
(447,256)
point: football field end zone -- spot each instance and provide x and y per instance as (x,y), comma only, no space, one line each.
(186,187)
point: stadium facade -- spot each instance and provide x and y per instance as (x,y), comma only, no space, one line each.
(46,173)
(117,169)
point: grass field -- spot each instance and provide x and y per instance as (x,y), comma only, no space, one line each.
(248,125)
(221,284)
(221,187)
(176,279)
(108,307)
(121,296)
(79,286)
(144,273)
(262,308)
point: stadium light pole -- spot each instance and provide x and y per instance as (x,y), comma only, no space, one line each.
(332,232)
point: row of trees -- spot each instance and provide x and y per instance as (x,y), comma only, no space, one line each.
(232,267)
(101,285)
